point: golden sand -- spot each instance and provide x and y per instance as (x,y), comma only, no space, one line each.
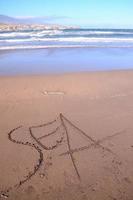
(67,136)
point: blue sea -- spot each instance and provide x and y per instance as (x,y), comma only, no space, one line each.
(66,38)
(65,50)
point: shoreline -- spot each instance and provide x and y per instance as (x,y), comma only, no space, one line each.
(67,73)
(19,48)
(60,61)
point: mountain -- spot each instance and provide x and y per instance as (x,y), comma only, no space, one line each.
(8,20)
(14,20)
(31,20)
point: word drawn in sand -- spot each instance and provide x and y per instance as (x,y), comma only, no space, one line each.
(64,125)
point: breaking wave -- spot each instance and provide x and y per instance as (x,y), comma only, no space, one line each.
(66,38)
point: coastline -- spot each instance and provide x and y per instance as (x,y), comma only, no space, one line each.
(44,75)
(60,61)
(10,48)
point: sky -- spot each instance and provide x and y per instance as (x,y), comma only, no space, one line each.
(91,13)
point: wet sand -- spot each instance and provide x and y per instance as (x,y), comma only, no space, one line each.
(67,136)
(64,60)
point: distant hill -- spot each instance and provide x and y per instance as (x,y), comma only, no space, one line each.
(12,20)
(8,20)
(30,20)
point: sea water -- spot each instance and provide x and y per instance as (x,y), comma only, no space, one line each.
(66,38)
(65,50)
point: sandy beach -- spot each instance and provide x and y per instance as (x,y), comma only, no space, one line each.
(67,136)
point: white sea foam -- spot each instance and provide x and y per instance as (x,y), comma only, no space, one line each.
(95,33)
(58,46)
(38,47)
(108,32)
(18,40)
(15,34)
(64,38)
(47,32)
(93,39)
(71,39)
(31,33)
(80,33)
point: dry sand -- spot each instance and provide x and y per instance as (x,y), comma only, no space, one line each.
(67,137)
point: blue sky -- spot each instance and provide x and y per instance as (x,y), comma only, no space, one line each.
(91,13)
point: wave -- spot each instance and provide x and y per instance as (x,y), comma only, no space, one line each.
(31,33)
(83,39)
(64,32)
(59,46)
(97,33)
(44,33)
(15,34)
(72,39)
(63,38)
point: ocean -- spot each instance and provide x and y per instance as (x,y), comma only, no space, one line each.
(65,51)
(100,38)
